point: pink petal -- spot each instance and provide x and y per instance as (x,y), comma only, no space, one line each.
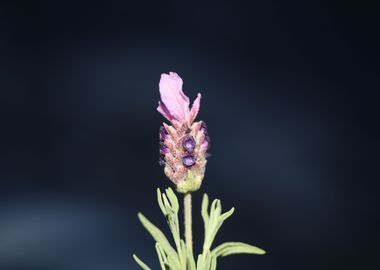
(195,109)
(172,96)
(164,111)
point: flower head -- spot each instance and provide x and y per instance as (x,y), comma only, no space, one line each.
(184,143)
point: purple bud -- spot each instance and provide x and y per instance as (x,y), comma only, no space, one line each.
(162,133)
(206,143)
(188,160)
(188,144)
(203,128)
(163,149)
(161,161)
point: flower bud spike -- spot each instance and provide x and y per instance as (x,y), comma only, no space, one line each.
(183,143)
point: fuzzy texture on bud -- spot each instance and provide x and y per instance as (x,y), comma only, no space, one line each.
(184,143)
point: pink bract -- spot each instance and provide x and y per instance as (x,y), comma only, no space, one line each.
(174,104)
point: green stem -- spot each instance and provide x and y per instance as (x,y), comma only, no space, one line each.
(188,230)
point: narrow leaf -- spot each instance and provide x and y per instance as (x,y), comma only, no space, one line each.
(140,263)
(161,256)
(213,225)
(204,209)
(173,199)
(190,256)
(200,262)
(227,214)
(185,257)
(207,261)
(160,203)
(159,237)
(213,262)
(230,248)
(171,206)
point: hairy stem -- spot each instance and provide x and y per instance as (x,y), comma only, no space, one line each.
(188,221)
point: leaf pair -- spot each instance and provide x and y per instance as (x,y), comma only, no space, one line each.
(182,258)
(213,220)
(169,257)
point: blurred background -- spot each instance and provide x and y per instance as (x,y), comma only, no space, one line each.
(290,94)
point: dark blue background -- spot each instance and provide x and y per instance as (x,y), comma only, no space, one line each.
(290,94)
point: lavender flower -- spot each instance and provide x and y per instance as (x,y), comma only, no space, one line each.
(184,143)
(188,144)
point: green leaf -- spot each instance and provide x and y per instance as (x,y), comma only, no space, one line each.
(160,203)
(230,248)
(204,210)
(206,261)
(227,214)
(215,209)
(200,262)
(214,223)
(213,262)
(173,199)
(182,258)
(160,238)
(168,206)
(140,263)
(185,257)
(161,256)
(171,205)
